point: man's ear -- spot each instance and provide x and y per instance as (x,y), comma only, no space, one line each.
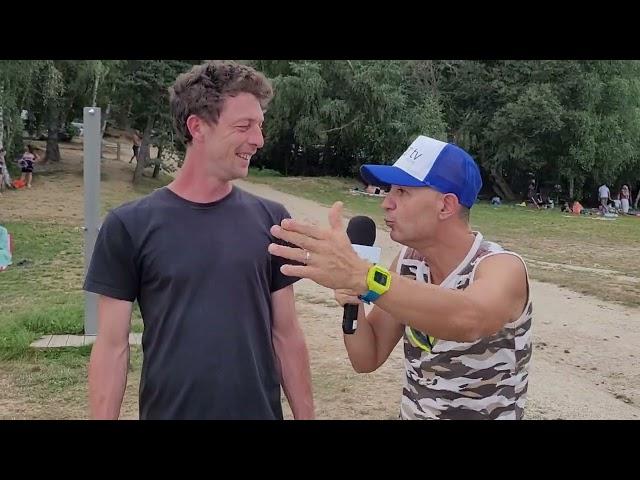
(195,126)
(449,206)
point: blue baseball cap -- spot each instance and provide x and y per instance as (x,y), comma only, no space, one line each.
(430,163)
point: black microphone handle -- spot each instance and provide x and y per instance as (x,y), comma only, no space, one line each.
(349,318)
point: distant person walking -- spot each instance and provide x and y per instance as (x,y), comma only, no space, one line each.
(136,145)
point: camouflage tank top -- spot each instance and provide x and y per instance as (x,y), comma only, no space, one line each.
(485,379)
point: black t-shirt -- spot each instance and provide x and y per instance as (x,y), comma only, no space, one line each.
(203,278)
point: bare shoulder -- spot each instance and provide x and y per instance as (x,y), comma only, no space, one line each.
(505,272)
(504,264)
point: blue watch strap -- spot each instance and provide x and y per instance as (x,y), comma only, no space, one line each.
(369,297)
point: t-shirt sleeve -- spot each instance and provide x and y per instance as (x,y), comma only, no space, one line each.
(278,279)
(113,271)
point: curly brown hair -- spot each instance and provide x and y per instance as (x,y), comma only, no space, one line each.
(203,90)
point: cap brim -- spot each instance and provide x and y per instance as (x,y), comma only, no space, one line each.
(384,175)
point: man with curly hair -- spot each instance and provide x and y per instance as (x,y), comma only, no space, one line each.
(221,335)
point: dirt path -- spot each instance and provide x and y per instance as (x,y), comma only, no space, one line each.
(585,363)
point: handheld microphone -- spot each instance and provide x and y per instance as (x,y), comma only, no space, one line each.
(362,234)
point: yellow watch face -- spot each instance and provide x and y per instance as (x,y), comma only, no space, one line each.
(378,279)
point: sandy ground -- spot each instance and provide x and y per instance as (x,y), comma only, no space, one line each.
(585,363)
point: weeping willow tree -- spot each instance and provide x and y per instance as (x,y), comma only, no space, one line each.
(60,89)
(52,92)
(329,117)
(104,80)
(17,79)
(142,99)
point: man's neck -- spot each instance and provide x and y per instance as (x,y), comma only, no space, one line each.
(194,183)
(446,253)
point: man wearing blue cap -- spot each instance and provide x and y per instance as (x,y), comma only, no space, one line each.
(460,303)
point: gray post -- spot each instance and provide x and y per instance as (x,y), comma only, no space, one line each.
(92,141)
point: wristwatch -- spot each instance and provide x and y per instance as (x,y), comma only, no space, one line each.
(378,282)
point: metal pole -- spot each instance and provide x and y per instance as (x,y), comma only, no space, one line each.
(92,143)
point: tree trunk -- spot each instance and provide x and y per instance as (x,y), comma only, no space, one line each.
(498,191)
(103,128)
(1,117)
(156,167)
(502,185)
(286,157)
(9,126)
(571,187)
(53,150)
(96,84)
(27,88)
(302,165)
(325,159)
(107,111)
(9,140)
(434,84)
(143,153)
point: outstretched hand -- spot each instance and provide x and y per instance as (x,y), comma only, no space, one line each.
(327,254)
